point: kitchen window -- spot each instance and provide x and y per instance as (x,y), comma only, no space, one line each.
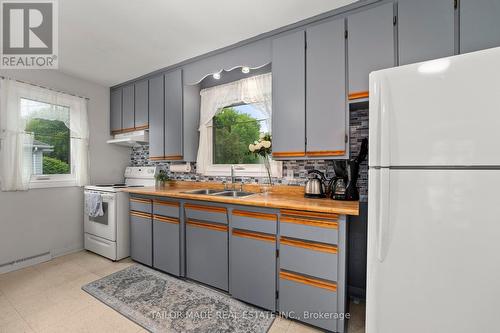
(232,117)
(44,137)
(233,129)
(48,124)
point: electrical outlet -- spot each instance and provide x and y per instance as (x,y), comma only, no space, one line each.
(289,174)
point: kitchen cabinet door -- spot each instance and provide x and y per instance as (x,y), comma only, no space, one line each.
(173,116)
(207,253)
(326,126)
(116,110)
(370,46)
(253,268)
(141,238)
(156,117)
(426,30)
(141,104)
(166,244)
(288,61)
(479,25)
(128,107)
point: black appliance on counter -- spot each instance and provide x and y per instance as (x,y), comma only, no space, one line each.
(343,185)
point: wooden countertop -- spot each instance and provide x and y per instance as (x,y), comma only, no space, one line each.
(284,197)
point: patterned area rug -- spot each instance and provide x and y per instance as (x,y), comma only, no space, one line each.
(161,303)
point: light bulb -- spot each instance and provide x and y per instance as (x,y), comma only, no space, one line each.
(216,76)
(245,69)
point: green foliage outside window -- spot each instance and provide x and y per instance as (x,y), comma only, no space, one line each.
(53,166)
(53,133)
(233,132)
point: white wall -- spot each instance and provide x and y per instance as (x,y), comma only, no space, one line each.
(42,220)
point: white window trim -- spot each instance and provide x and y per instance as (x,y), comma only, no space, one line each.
(50,181)
(55,180)
(250,170)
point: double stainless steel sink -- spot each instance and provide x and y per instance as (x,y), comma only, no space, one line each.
(221,193)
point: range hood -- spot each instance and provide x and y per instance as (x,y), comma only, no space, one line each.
(131,139)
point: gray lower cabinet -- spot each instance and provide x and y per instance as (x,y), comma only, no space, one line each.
(370,46)
(479,24)
(207,253)
(312,267)
(141,238)
(305,297)
(173,116)
(166,244)
(426,30)
(288,91)
(116,110)
(253,268)
(128,106)
(141,101)
(326,126)
(156,117)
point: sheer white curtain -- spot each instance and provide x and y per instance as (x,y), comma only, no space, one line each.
(16,145)
(256,89)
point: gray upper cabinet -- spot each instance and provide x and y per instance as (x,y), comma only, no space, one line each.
(141,104)
(173,116)
(479,24)
(288,61)
(370,46)
(426,30)
(156,117)
(128,107)
(325,90)
(116,110)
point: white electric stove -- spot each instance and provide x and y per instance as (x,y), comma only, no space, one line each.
(109,235)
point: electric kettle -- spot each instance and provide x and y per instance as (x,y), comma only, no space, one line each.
(315,186)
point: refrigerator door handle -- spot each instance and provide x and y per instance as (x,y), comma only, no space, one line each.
(384,215)
(385,134)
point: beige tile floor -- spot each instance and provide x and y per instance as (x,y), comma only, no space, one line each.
(47,298)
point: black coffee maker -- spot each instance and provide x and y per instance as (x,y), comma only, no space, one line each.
(343,185)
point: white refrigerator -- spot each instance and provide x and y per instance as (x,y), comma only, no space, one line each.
(434,197)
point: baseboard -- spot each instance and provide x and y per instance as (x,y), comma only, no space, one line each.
(25,262)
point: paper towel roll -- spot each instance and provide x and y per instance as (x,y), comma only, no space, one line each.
(180,167)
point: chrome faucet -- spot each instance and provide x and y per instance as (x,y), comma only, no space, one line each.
(233,168)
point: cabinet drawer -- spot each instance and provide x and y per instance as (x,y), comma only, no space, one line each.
(140,205)
(304,295)
(166,248)
(141,238)
(254,221)
(166,208)
(207,253)
(206,213)
(319,260)
(309,229)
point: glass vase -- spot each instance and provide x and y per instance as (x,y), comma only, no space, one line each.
(267,181)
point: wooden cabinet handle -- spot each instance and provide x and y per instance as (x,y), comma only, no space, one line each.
(309,245)
(165,219)
(210,226)
(253,235)
(289,153)
(358,95)
(309,281)
(166,203)
(140,214)
(294,213)
(255,215)
(313,223)
(206,208)
(140,200)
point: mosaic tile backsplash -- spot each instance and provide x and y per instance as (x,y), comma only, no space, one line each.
(358,131)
